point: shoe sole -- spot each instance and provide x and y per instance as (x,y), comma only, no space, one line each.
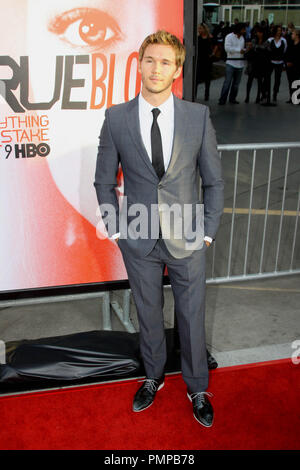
(138,411)
(200,422)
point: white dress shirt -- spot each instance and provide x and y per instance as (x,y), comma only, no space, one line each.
(233,46)
(165,122)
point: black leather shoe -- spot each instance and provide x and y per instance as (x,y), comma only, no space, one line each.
(234,102)
(203,411)
(211,361)
(145,395)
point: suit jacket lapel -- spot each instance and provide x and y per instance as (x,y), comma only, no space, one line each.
(180,130)
(133,123)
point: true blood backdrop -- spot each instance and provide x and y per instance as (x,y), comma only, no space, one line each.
(63,63)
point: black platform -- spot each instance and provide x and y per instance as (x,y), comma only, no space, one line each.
(78,359)
(82,358)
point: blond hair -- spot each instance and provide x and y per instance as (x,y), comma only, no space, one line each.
(166,39)
(205,27)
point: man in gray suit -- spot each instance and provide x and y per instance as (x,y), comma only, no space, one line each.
(165,147)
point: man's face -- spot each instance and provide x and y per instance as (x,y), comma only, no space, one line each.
(158,68)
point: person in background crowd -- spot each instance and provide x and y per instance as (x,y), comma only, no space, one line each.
(257,57)
(205,54)
(293,60)
(277,46)
(235,22)
(288,33)
(265,24)
(248,32)
(219,34)
(217,31)
(253,30)
(235,49)
(226,29)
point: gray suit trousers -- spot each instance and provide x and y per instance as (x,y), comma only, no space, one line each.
(187,278)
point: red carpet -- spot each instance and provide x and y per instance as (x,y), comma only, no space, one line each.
(256,407)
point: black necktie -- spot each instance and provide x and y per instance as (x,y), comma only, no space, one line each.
(156,146)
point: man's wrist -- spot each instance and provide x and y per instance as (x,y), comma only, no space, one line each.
(208,240)
(115,237)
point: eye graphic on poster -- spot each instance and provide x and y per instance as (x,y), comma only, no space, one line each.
(86,27)
(63,62)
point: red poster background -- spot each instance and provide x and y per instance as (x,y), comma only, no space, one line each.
(44,240)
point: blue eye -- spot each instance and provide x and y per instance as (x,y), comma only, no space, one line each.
(86,27)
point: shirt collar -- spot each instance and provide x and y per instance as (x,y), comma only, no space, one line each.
(166,107)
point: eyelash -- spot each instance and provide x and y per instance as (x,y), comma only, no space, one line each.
(91,16)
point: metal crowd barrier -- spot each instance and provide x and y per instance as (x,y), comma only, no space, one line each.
(291,264)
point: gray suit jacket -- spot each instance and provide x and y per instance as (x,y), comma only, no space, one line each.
(194,155)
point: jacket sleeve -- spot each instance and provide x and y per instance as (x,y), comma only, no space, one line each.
(106,178)
(210,169)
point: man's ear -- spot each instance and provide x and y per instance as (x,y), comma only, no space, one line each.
(178,72)
(139,66)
